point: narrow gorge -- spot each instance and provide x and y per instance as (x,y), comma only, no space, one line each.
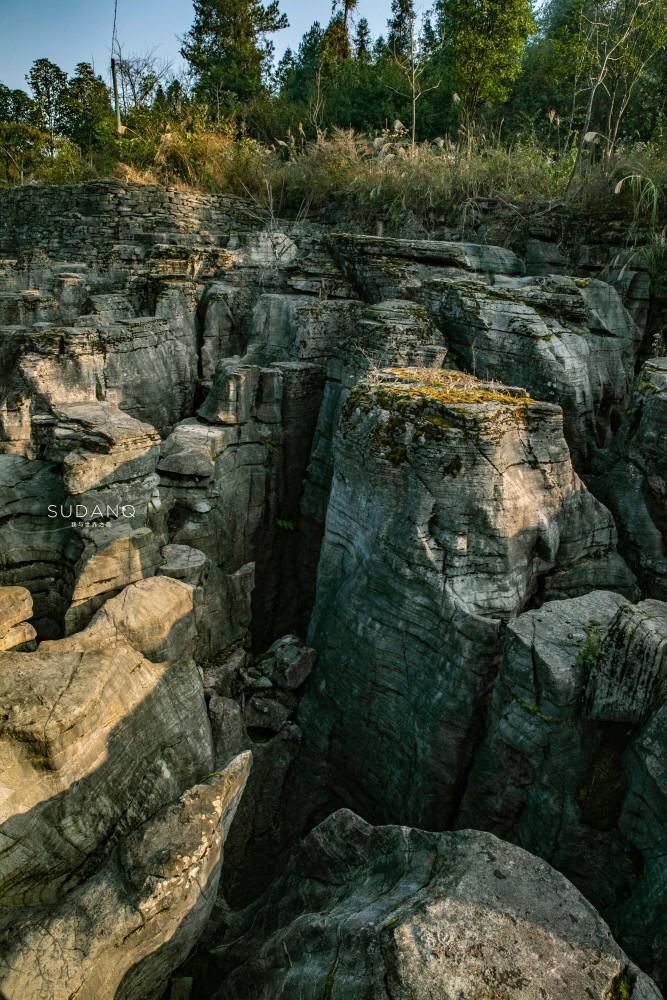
(333,605)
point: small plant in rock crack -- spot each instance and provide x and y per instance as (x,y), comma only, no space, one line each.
(623,988)
(285,525)
(590,650)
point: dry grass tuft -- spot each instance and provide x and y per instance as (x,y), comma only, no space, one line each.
(451,387)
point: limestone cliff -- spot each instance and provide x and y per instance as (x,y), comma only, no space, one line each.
(386,514)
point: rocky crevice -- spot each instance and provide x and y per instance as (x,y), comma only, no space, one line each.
(425,477)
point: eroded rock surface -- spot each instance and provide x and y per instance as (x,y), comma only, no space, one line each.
(454,503)
(394,912)
(123,932)
(636,486)
(98,731)
(573,734)
(568,341)
(196,398)
(111,821)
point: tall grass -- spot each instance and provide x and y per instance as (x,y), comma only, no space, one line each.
(364,181)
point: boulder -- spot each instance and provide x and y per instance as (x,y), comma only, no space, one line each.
(97,732)
(15,610)
(572,766)
(394,911)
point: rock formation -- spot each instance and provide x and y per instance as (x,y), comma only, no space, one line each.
(393,912)
(635,487)
(566,752)
(454,504)
(101,732)
(123,931)
(388,515)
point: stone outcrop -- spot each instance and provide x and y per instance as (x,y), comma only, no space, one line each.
(567,341)
(16,632)
(194,418)
(635,488)
(454,503)
(572,767)
(108,834)
(97,732)
(123,932)
(393,912)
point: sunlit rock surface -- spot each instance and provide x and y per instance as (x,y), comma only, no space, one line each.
(122,932)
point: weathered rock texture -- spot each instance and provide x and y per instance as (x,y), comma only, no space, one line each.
(105,883)
(97,732)
(16,632)
(122,933)
(395,912)
(635,488)
(186,397)
(454,504)
(566,341)
(580,685)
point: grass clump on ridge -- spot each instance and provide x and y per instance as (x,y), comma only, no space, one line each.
(450,387)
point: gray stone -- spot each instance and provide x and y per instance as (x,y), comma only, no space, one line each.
(452,502)
(125,930)
(392,911)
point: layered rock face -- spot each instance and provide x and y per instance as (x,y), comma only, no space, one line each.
(571,762)
(245,508)
(395,912)
(454,504)
(123,931)
(108,834)
(635,488)
(567,341)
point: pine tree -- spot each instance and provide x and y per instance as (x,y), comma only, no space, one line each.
(87,114)
(228,50)
(346,7)
(363,42)
(400,27)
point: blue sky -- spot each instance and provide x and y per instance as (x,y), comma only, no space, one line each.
(72,31)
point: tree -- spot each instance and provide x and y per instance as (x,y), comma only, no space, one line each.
(49,85)
(400,27)
(412,64)
(621,39)
(228,51)
(87,116)
(346,8)
(140,77)
(16,107)
(22,150)
(483,42)
(362,42)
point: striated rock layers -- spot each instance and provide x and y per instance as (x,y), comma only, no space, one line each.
(198,446)
(572,766)
(635,487)
(389,911)
(111,843)
(123,932)
(567,341)
(454,504)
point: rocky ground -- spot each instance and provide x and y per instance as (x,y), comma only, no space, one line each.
(310,531)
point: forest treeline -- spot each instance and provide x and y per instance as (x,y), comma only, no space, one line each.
(474,98)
